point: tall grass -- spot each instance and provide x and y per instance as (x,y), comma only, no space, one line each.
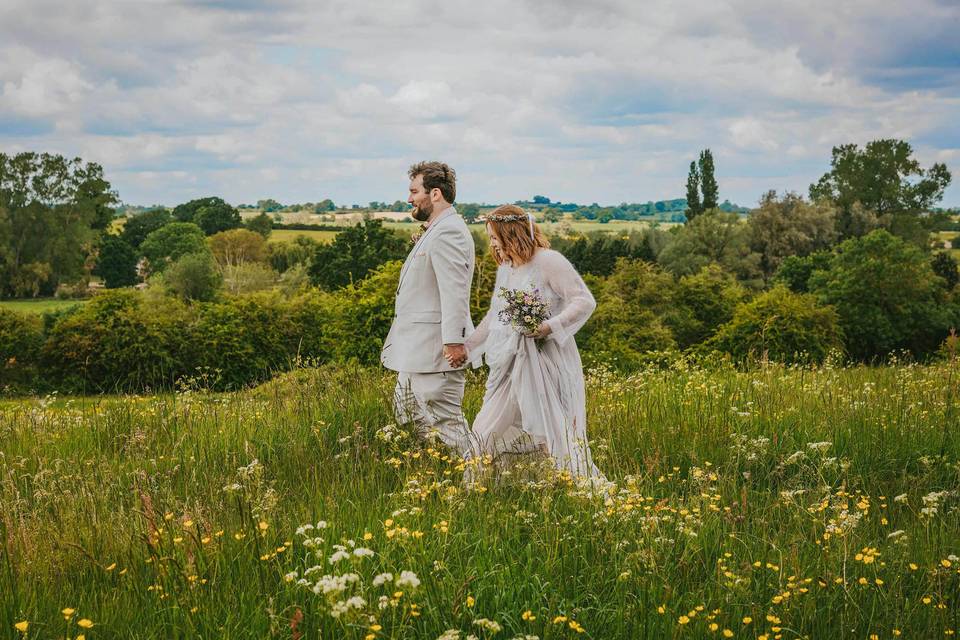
(776,503)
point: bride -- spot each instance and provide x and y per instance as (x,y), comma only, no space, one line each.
(534,397)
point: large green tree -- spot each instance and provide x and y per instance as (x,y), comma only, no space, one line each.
(789,226)
(713,237)
(887,296)
(116,263)
(210,214)
(262,224)
(138,227)
(708,181)
(354,253)
(883,177)
(52,212)
(694,205)
(170,242)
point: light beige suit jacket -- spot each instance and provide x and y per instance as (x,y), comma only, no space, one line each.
(433,298)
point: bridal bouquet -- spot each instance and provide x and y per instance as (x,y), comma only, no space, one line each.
(525,309)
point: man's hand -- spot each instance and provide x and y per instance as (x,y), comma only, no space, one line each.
(456,354)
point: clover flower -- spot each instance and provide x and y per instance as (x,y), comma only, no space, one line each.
(408,580)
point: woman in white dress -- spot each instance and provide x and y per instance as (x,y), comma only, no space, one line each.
(534,396)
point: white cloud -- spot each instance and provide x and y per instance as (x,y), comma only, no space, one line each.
(46,87)
(601,101)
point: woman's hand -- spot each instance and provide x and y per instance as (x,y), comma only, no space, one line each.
(541,332)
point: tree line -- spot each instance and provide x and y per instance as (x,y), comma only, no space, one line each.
(848,269)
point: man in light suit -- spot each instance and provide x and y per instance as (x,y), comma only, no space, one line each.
(432,312)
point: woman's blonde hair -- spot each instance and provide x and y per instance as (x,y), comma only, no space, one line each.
(512,226)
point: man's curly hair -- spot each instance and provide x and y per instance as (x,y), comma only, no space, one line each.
(436,175)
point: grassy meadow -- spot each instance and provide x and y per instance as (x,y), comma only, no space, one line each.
(39,305)
(619,227)
(289,235)
(777,503)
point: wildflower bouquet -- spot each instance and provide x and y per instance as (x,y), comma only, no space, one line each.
(525,309)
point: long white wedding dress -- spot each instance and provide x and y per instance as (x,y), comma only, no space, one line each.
(535,396)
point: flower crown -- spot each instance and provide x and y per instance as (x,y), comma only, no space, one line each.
(512,217)
(506,217)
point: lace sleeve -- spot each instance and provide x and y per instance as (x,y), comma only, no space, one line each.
(476,342)
(578,302)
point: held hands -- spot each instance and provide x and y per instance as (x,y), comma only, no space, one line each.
(456,355)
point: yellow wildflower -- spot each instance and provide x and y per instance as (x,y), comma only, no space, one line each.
(683,620)
(85,623)
(528,616)
(22,626)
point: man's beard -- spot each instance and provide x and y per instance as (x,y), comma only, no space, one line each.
(422,214)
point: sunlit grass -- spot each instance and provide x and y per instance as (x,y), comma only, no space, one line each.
(780,502)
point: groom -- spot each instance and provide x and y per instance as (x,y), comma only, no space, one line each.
(432,312)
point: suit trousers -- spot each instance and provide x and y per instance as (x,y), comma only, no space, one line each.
(433,402)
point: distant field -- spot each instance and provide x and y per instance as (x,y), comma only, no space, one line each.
(406,228)
(39,306)
(580,226)
(288,235)
(954,236)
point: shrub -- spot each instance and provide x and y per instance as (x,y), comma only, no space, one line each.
(245,339)
(702,303)
(361,315)
(887,296)
(193,277)
(115,342)
(782,326)
(628,321)
(21,336)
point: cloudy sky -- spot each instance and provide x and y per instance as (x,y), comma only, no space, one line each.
(587,101)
